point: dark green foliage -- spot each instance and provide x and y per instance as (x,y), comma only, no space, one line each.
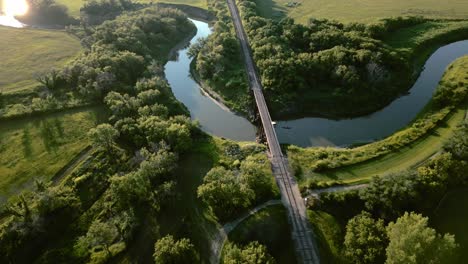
(95,12)
(458,145)
(225,193)
(122,50)
(167,250)
(245,182)
(365,240)
(323,61)
(253,253)
(130,175)
(413,242)
(218,60)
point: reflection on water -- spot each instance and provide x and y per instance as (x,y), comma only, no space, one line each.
(10,21)
(325,132)
(213,118)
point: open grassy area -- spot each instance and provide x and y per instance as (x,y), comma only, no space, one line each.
(28,52)
(361,10)
(404,158)
(452,216)
(75,5)
(269,227)
(37,148)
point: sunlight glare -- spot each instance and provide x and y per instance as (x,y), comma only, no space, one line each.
(15,7)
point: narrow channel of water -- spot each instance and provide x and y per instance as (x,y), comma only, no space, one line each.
(213,118)
(325,132)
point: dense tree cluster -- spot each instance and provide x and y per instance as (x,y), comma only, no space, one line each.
(365,239)
(218,60)
(167,250)
(232,190)
(120,52)
(407,240)
(323,60)
(130,176)
(95,12)
(413,242)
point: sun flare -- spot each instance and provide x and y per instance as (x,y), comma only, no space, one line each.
(15,7)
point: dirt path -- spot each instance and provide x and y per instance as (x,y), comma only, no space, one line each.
(217,243)
(72,165)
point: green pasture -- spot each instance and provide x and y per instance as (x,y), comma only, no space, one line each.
(26,53)
(37,148)
(361,10)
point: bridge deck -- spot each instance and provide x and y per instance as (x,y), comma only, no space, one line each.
(301,233)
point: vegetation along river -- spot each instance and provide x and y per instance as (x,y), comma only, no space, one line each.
(213,118)
(312,131)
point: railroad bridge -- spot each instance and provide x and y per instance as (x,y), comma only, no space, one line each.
(302,234)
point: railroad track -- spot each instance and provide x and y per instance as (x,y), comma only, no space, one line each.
(302,234)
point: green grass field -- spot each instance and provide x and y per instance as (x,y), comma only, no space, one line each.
(402,159)
(75,5)
(28,52)
(269,227)
(362,10)
(452,216)
(37,148)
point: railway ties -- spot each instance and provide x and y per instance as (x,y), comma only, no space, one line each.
(302,235)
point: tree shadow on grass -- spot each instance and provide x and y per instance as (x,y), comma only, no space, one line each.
(51,132)
(270,9)
(26,142)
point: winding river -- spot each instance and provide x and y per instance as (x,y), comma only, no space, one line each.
(304,132)
(213,117)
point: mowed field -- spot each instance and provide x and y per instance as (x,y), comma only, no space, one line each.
(362,10)
(26,53)
(75,5)
(38,147)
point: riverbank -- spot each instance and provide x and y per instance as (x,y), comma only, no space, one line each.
(403,150)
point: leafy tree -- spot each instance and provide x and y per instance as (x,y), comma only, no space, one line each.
(256,173)
(365,239)
(413,242)
(253,253)
(132,188)
(103,136)
(390,195)
(225,193)
(99,234)
(458,144)
(167,250)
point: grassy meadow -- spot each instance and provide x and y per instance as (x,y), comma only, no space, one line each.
(28,52)
(361,10)
(38,147)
